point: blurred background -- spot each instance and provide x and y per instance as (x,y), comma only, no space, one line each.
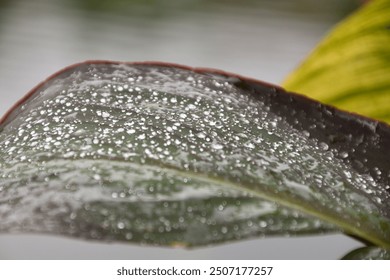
(263,39)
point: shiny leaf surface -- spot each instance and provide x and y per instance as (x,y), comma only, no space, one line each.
(368,253)
(168,155)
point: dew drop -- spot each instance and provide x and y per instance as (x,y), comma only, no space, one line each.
(201,135)
(323,146)
(249,145)
(216,146)
(191,107)
(263,224)
(121,225)
(343,154)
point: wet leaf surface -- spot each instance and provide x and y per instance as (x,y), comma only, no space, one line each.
(368,253)
(163,154)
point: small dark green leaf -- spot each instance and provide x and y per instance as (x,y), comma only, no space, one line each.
(368,253)
(164,154)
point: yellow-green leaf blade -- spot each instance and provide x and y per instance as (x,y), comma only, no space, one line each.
(351,67)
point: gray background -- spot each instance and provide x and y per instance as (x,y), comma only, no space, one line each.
(261,39)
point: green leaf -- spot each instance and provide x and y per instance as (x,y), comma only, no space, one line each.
(351,67)
(368,253)
(168,155)
(102,199)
